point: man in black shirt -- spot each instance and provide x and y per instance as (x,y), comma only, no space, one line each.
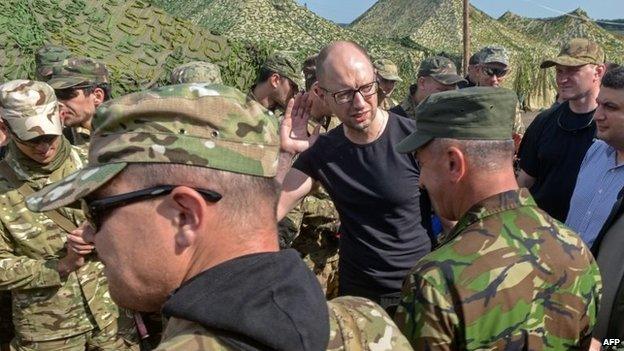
(372,185)
(556,142)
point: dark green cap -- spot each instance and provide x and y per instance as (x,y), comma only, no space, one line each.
(284,63)
(441,69)
(76,71)
(478,113)
(46,57)
(493,54)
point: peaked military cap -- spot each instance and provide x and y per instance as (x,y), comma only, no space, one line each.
(577,52)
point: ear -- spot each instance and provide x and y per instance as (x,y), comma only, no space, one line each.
(315,89)
(191,215)
(600,71)
(456,163)
(421,82)
(274,80)
(98,96)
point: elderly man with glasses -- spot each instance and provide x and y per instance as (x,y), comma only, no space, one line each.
(381,235)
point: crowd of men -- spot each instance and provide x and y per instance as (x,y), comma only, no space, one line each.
(312,212)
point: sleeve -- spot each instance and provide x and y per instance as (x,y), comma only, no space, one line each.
(21,272)
(304,163)
(426,315)
(527,153)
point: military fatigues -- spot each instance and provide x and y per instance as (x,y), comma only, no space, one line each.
(78,136)
(506,277)
(46,307)
(387,103)
(314,224)
(409,106)
(355,324)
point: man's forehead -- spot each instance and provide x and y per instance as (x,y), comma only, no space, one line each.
(347,72)
(609,95)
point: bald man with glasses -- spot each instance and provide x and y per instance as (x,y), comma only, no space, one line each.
(381,234)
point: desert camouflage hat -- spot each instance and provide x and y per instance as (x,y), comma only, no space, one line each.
(441,69)
(577,52)
(387,69)
(196,72)
(493,54)
(285,64)
(203,125)
(78,71)
(46,57)
(30,109)
(478,113)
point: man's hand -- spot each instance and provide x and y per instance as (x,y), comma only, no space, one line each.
(294,136)
(80,240)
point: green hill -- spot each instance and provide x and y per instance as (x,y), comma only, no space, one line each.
(436,25)
(139,43)
(615,26)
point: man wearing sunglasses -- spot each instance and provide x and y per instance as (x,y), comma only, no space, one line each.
(280,78)
(181,192)
(381,235)
(80,85)
(556,141)
(60,298)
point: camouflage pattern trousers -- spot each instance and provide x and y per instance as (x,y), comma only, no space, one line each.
(96,340)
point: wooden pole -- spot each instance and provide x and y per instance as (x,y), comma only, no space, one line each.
(466,36)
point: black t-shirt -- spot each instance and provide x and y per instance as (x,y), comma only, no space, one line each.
(552,151)
(375,190)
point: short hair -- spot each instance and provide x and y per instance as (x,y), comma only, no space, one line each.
(474,59)
(264,74)
(610,66)
(413,88)
(486,155)
(324,54)
(614,79)
(245,197)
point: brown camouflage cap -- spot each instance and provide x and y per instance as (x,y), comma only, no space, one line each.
(285,64)
(30,109)
(492,54)
(196,72)
(78,71)
(46,57)
(441,69)
(577,52)
(387,69)
(204,125)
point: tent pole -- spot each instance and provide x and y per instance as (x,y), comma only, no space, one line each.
(466,36)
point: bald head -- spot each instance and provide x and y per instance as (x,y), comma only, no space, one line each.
(341,57)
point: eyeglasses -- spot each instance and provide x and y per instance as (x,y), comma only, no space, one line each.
(94,209)
(344,96)
(493,71)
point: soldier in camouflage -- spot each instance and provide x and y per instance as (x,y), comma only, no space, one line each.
(314,222)
(491,71)
(200,161)
(280,78)
(46,57)
(196,72)
(387,77)
(507,276)
(81,85)
(60,297)
(435,74)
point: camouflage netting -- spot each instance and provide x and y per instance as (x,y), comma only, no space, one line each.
(284,25)
(139,43)
(437,26)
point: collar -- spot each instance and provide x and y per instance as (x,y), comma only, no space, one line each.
(502,202)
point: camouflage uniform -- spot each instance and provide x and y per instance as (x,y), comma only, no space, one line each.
(74,72)
(49,311)
(196,72)
(507,276)
(245,142)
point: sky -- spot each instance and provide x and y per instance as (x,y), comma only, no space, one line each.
(345,11)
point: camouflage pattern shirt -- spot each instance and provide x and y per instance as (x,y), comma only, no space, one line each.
(409,106)
(356,324)
(46,306)
(507,277)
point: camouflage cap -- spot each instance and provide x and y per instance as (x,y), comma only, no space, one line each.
(78,71)
(46,57)
(204,125)
(387,69)
(493,54)
(196,72)
(478,113)
(577,52)
(441,69)
(30,109)
(285,64)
